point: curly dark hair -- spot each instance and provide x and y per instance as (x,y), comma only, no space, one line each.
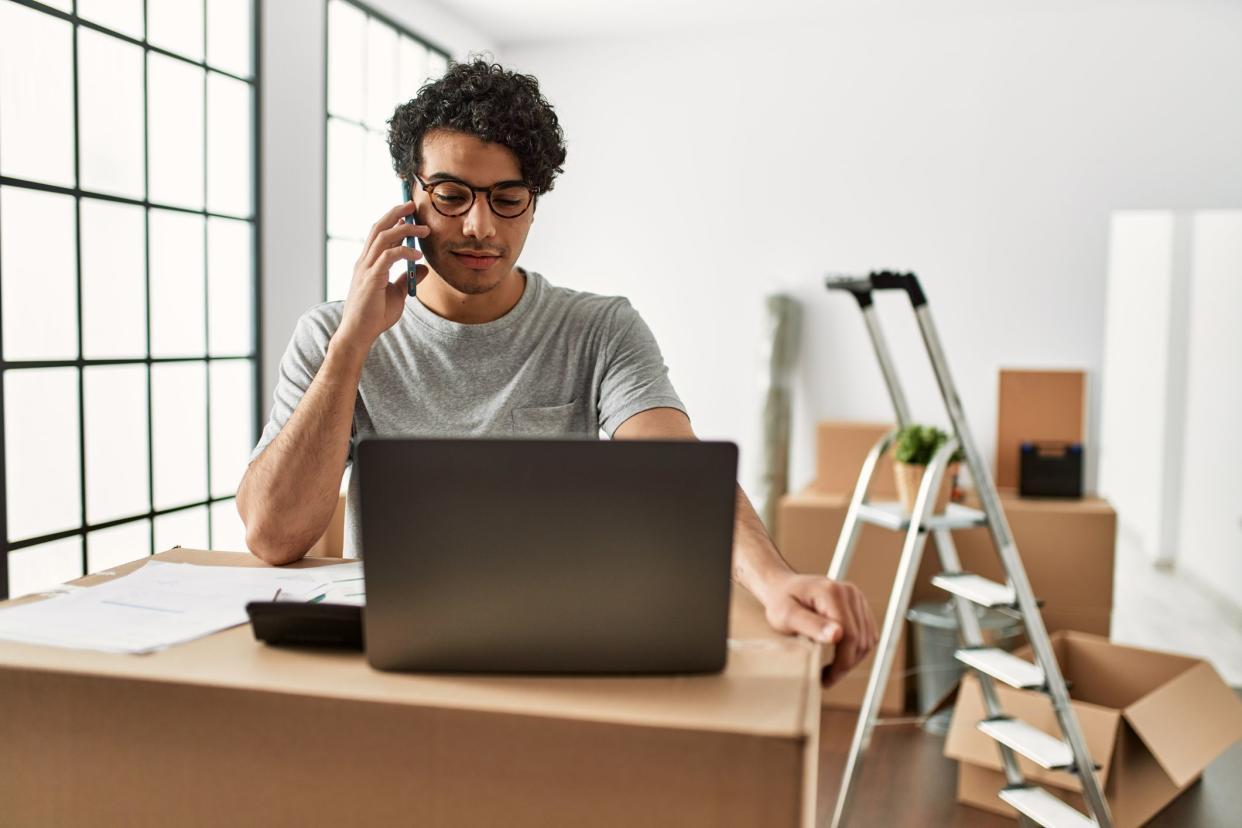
(491,103)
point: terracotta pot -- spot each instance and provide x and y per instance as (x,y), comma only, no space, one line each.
(910,477)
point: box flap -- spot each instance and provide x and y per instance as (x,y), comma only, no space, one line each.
(965,743)
(1188,722)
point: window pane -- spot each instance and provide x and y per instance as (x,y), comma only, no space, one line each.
(346,60)
(116,545)
(175,132)
(381,186)
(114,287)
(39,568)
(187,528)
(36,95)
(116,442)
(228,145)
(179,412)
(228,533)
(177,324)
(41,451)
(437,65)
(110,114)
(229,263)
(232,423)
(176,25)
(411,68)
(37,275)
(381,80)
(228,35)
(341,258)
(123,16)
(347,217)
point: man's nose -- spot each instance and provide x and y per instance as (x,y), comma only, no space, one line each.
(479,222)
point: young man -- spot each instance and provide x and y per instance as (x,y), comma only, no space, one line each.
(486,348)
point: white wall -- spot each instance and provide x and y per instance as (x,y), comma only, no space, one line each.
(981,144)
(292,139)
(1143,396)
(1210,534)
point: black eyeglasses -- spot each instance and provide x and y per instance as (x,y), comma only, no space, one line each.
(450,197)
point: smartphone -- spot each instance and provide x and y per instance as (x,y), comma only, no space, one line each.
(407,195)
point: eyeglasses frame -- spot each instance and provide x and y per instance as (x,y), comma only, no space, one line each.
(427,188)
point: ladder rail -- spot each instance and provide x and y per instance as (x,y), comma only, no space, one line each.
(1002,536)
(843,555)
(894,616)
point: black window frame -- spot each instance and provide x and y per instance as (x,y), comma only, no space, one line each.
(401,29)
(80,363)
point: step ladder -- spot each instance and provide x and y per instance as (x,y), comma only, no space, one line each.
(1013,737)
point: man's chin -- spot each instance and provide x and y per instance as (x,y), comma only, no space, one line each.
(473,282)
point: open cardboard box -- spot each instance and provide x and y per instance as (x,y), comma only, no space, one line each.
(1153,721)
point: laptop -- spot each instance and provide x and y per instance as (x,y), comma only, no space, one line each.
(546,556)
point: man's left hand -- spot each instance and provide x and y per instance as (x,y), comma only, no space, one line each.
(832,612)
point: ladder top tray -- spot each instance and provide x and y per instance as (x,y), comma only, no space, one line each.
(892,515)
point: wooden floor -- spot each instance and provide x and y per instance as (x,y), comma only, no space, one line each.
(906,781)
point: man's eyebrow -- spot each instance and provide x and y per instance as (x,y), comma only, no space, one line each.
(444,176)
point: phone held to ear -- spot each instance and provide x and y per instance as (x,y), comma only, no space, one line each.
(410,241)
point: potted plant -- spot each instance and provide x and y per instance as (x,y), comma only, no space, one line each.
(914,449)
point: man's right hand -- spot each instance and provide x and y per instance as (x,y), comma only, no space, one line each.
(374,304)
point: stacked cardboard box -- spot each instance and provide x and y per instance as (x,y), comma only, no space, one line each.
(1152,721)
(1066,547)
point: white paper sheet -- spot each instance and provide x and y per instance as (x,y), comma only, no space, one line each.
(165,603)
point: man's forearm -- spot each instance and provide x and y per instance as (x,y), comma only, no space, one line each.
(288,494)
(757,564)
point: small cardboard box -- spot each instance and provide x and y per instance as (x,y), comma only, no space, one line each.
(1035,406)
(841,448)
(1153,721)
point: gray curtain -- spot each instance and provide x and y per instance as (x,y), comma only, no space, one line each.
(782,323)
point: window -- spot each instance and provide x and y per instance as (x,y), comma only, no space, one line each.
(373,65)
(128,278)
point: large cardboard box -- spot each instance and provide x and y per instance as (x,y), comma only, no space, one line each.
(1152,720)
(1067,549)
(225,730)
(1035,406)
(841,448)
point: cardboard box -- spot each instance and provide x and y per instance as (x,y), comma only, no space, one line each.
(808,526)
(227,731)
(1152,720)
(841,448)
(1033,406)
(1067,549)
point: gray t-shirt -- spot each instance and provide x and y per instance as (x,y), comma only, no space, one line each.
(561,362)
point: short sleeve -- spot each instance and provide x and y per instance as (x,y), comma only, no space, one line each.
(635,377)
(300,363)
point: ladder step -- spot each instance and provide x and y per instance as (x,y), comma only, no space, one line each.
(1044,808)
(1042,749)
(892,515)
(975,588)
(1003,666)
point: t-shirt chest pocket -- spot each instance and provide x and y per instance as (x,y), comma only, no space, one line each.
(545,420)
